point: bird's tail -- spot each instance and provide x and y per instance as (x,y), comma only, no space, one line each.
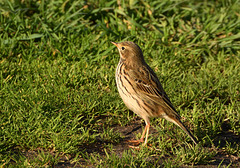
(182,126)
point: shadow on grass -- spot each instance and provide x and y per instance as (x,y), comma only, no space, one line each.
(129,132)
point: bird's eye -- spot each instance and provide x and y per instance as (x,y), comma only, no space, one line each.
(123,48)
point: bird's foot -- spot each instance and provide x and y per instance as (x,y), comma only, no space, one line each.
(136,142)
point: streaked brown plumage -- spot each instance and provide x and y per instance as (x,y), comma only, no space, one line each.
(141,90)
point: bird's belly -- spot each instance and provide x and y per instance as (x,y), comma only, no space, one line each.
(131,102)
(136,104)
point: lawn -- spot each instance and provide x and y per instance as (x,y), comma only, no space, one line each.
(59,102)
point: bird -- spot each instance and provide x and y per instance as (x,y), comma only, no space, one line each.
(141,90)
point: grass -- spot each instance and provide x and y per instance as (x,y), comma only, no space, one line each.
(59,103)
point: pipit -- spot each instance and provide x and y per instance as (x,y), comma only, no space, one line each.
(141,90)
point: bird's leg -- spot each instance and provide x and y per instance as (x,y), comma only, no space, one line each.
(137,142)
(141,140)
(143,134)
(147,132)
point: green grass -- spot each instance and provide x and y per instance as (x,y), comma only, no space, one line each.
(59,102)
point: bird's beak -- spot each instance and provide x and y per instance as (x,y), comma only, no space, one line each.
(116,44)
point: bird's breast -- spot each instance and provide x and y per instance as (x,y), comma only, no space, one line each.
(130,96)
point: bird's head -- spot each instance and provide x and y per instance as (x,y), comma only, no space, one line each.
(129,52)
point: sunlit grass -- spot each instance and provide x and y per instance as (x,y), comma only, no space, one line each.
(59,102)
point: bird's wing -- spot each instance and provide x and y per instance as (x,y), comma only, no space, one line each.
(148,84)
